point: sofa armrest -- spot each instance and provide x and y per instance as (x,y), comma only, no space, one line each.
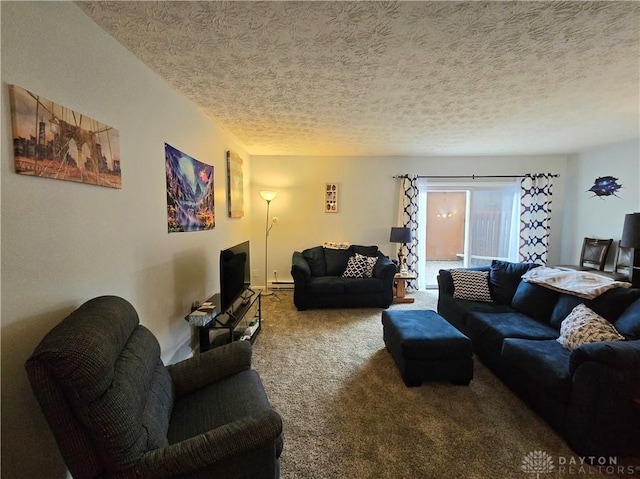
(300,269)
(445,282)
(211,366)
(602,416)
(618,355)
(236,439)
(384,267)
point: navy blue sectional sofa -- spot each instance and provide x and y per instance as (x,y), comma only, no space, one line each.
(590,395)
(318,281)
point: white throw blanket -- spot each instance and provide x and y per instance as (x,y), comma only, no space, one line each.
(336,245)
(579,283)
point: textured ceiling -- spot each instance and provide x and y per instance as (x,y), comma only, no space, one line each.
(387,78)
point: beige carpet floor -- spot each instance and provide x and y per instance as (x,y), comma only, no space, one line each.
(347,413)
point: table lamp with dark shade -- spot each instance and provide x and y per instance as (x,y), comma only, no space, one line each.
(631,239)
(401,235)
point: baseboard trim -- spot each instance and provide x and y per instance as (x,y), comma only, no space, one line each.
(281,285)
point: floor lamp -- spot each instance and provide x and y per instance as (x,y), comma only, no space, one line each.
(268,196)
(631,239)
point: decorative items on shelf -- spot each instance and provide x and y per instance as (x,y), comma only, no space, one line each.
(203,314)
(331,198)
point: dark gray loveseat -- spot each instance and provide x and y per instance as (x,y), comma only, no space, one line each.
(117,412)
(590,395)
(319,283)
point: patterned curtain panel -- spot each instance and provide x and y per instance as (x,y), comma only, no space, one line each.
(535,217)
(408,217)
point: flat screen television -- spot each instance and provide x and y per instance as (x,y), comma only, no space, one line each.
(235,276)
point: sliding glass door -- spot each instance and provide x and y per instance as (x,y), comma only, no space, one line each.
(467,225)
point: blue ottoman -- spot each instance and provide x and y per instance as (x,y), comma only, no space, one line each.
(426,347)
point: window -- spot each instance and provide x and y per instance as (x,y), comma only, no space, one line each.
(465,224)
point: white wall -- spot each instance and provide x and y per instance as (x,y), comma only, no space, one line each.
(64,243)
(368,199)
(586,215)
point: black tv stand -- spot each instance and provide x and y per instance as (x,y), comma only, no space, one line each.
(246,296)
(239,321)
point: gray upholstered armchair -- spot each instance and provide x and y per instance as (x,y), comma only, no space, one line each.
(117,412)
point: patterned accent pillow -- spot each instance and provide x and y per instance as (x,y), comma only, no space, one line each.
(360,266)
(471,285)
(370,264)
(355,268)
(583,326)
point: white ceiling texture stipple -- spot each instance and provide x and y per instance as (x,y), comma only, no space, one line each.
(396,78)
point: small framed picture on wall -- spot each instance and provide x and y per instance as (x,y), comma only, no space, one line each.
(331,198)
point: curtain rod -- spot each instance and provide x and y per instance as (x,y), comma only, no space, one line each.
(473,177)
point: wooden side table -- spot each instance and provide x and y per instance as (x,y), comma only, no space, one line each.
(400,288)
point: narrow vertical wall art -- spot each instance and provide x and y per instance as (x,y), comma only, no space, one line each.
(235,198)
(331,198)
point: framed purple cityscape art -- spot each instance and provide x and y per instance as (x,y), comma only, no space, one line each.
(189,192)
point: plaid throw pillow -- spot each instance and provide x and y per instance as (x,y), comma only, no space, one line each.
(471,285)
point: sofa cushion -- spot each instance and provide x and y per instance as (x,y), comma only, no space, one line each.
(365,250)
(217,404)
(456,310)
(628,324)
(564,306)
(471,285)
(336,260)
(609,304)
(493,328)
(545,363)
(504,279)
(326,285)
(534,301)
(461,307)
(583,326)
(315,258)
(362,285)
